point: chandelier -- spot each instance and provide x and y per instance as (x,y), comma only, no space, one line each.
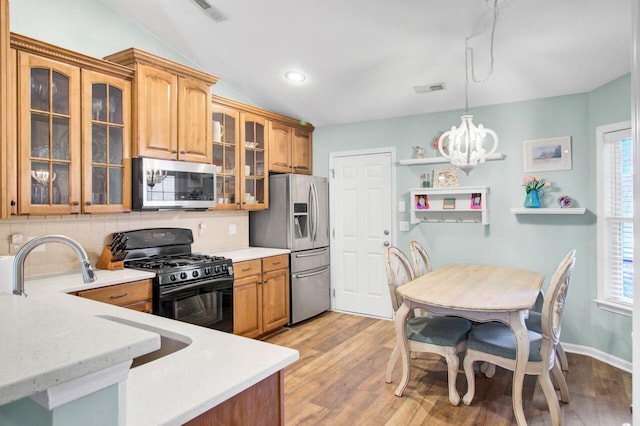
(466,145)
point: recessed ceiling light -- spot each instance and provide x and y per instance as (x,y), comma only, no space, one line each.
(294,76)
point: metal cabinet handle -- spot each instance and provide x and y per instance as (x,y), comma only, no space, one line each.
(386,243)
(13,202)
(246,269)
(119,296)
(386,232)
(76,203)
(88,203)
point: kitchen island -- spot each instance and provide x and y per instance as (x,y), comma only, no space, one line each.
(212,368)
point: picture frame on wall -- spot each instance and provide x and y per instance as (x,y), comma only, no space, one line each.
(543,155)
(445,178)
(449,204)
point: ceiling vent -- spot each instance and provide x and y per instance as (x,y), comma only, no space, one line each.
(213,13)
(429,88)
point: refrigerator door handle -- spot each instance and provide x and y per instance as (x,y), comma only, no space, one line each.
(315,212)
(311,274)
(312,213)
(315,253)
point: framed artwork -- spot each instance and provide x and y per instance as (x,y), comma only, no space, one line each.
(476,201)
(421,201)
(445,178)
(542,155)
(448,203)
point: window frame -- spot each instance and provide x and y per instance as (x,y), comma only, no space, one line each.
(602,299)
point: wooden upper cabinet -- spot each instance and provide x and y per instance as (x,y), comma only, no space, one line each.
(106,133)
(172,105)
(302,151)
(49,126)
(194,122)
(280,148)
(290,149)
(156,102)
(6,129)
(72,137)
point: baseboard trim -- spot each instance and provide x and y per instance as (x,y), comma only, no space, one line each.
(599,355)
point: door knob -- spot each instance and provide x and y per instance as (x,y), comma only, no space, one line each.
(386,232)
(386,243)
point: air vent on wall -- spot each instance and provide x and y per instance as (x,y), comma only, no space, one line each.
(213,13)
(429,88)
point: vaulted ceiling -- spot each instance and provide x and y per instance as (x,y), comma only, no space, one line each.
(362,58)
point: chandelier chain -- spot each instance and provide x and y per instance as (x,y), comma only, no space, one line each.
(469,52)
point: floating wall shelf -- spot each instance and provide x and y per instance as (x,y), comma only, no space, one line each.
(438,160)
(549,210)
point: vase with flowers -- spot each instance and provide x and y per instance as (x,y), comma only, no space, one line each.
(534,187)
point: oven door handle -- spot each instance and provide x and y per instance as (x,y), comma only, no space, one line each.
(195,285)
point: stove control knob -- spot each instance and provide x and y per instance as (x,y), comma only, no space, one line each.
(172,277)
(207,271)
(216,269)
(195,274)
(183,275)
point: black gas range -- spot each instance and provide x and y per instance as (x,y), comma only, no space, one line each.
(189,287)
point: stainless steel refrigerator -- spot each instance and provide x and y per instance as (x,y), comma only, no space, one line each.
(298,220)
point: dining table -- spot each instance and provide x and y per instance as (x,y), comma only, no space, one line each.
(480,293)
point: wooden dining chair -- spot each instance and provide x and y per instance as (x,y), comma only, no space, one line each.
(444,336)
(420,259)
(494,342)
(534,323)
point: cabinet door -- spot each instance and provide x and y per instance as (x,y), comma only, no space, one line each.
(7,99)
(156,127)
(225,140)
(280,148)
(49,145)
(254,194)
(275,299)
(302,152)
(247,306)
(106,112)
(194,120)
(136,294)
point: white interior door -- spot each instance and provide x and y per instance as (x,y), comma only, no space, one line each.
(362,194)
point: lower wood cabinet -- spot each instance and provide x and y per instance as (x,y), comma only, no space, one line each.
(133,295)
(261,404)
(261,295)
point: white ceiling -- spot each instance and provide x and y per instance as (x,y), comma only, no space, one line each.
(363,57)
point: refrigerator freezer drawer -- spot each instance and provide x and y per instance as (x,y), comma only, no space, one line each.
(309,259)
(309,294)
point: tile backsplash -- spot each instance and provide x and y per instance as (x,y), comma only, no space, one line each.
(94,231)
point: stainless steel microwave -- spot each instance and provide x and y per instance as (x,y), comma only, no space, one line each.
(172,185)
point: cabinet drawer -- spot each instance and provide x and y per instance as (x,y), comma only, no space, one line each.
(275,262)
(245,269)
(121,294)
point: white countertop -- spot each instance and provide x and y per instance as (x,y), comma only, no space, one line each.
(249,253)
(186,383)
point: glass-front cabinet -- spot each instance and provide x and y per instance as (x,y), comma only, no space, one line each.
(74,125)
(49,147)
(106,168)
(225,141)
(254,193)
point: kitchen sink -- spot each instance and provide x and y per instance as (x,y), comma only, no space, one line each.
(169,342)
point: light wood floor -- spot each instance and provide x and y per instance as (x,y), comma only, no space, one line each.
(339,380)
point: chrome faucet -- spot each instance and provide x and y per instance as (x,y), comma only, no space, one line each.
(18,263)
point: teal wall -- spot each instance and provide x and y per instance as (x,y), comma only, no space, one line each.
(97,409)
(526,241)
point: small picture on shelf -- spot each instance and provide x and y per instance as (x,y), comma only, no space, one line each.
(421,201)
(448,203)
(476,201)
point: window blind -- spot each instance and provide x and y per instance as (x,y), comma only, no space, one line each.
(618,212)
